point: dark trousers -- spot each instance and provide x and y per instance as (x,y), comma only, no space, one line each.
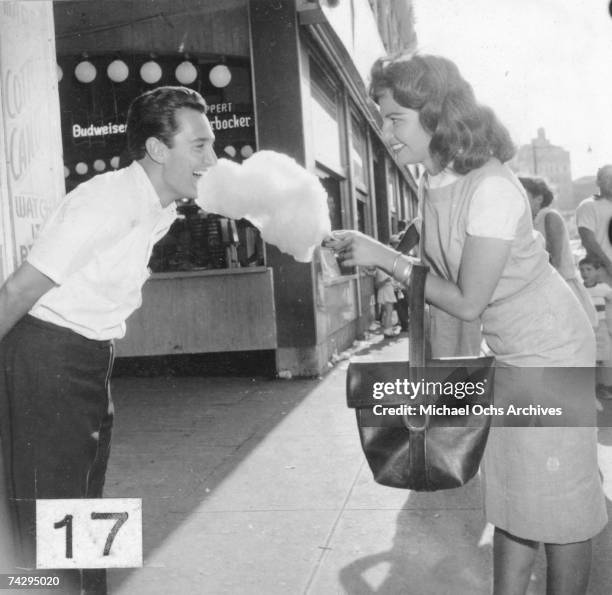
(55,425)
(402,311)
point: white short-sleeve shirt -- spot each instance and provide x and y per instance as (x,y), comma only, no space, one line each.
(595,213)
(96,247)
(495,208)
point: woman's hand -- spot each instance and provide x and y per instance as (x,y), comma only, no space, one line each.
(354,248)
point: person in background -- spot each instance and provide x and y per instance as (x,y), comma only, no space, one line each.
(401,303)
(61,310)
(550,224)
(540,484)
(594,221)
(385,296)
(601,295)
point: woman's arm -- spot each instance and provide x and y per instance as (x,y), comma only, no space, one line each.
(482,263)
(555,237)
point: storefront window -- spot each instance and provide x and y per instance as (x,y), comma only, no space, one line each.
(361,213)
(331,184)
(359,165)
(325,116)
(95,93)
(359,154)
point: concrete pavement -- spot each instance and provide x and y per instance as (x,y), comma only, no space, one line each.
(251,485)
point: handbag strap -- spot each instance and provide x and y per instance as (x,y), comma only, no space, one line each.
(413,237)
(416,334)
(416,340)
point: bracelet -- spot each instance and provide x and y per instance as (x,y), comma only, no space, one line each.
(395,264)
(404,277)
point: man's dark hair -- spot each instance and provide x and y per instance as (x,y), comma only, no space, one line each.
(153,114)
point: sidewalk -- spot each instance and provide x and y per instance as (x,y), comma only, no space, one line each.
(259,486)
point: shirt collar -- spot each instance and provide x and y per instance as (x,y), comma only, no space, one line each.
(148,190)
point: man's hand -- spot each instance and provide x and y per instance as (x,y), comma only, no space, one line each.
(19,293)
(589,243)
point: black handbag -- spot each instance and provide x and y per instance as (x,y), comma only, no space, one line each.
(424,439)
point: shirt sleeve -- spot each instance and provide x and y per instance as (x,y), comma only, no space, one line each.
(495,209)
(586,215)
(68,239)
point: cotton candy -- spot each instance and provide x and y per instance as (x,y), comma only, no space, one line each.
(282,199)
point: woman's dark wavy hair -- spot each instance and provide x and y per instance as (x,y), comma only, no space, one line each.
(153,114)
(537,187)
(464,132)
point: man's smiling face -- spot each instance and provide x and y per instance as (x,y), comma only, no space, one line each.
(190,155)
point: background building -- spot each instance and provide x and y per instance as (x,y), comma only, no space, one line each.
(541,158)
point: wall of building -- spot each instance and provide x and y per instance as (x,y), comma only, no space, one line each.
(31,179)
(179,26)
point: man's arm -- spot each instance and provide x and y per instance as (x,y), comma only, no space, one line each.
(19,293)
(590,244)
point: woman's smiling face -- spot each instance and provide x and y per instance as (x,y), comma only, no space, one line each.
(404,133)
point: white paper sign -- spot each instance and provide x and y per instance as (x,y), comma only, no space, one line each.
(89,533)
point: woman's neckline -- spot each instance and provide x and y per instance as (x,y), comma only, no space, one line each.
(444,178)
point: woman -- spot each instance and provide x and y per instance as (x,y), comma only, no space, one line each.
(540,484)
(550,224)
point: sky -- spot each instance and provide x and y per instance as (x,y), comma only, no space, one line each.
(537,63)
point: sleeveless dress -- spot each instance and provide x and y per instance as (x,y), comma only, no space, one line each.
(539,483)
(567,268)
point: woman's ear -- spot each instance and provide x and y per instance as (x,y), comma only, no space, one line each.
(156,149)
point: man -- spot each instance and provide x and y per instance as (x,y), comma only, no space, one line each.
(594,221)
(62,308)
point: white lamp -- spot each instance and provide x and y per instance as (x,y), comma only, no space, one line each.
(114,162)
(230,150)
(150,72)
(246,151)
(81,168)
(117,71)
(85,71)
(220,76)
(99,165)
(186,73)
(60,73)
